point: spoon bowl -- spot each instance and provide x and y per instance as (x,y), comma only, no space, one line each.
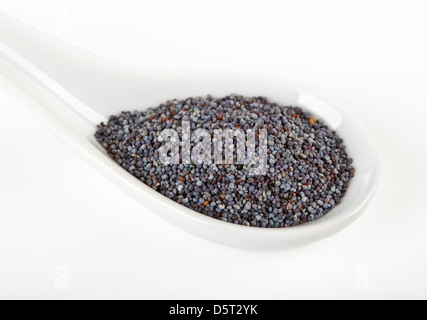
(71,91)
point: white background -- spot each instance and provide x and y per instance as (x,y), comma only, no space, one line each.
(67,232)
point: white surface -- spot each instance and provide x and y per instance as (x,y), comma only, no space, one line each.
(368,55)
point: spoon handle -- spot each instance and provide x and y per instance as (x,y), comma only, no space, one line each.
(45,67)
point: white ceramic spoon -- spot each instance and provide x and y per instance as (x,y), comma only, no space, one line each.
(71,91)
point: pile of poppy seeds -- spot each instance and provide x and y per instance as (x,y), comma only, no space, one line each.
(308,170)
